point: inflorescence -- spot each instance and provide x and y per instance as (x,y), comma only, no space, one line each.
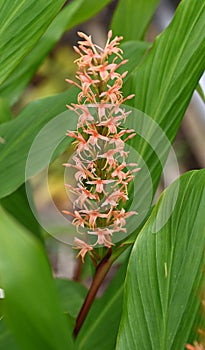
(101,172)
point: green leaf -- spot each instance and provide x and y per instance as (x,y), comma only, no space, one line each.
(101,325)
(17,205)
(200,92)
(32,306)
(22,24)
(71,294)
(85,9)
(74,13)
(134,52)
(164,83)
(1,308)
(132,17)
(20,133)
(7,340)
(166,271)
(5,111)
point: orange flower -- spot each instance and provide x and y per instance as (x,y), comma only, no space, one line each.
(84,247)
(100,157)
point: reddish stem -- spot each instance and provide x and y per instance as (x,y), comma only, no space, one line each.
(101,271)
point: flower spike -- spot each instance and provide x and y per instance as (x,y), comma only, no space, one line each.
(102,174)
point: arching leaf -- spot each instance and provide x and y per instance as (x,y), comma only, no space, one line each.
(22,24)
(31,307)
(162,305)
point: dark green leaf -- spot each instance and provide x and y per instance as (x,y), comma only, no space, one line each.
(22,24)
(166,271)
(71,294)
(17,205)
(32,306)
(20,133)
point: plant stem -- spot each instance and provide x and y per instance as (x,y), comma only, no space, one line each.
(101,271)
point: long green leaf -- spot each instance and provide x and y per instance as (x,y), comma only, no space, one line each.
(7,340)
(74,13)
(164,83)
(22,24)
(85,9)
(132,17)
(71,294)
(20,133)
(5,111)
(135,52)
(17,205)
(165,272)
(32,306)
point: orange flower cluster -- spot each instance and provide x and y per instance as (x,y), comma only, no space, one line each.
(101,172)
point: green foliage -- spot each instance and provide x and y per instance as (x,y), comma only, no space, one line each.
(17,205)
(32,307)
(7,340)
(71,294)
(22,24)
(20,133)
(135,52)
(138,15)
(76,12)
(165,81)
(166,270)
(162,95)
(5,111)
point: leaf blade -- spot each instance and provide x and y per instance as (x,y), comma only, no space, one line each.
(165,276)
(135,16)
(72,295)
(17,205)
(20,133)
(6,339)
(22,24)
(165,81)
(74,13)
(33,311)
